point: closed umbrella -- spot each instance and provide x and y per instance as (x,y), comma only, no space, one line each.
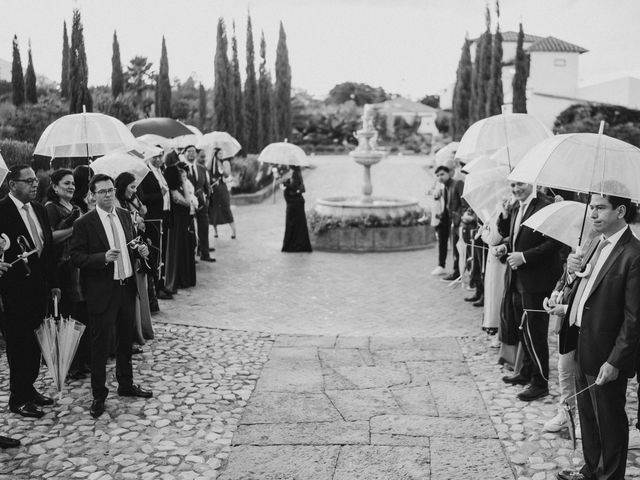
(229,146)
(284,153)
(163,126)
(485,190)
(114,164)
(561,221)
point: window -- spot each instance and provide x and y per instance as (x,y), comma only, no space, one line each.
(559,62)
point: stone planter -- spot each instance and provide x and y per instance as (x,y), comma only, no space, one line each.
(383,239)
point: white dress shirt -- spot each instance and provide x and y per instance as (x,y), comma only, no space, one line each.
(32,214)
(166,198)
(124,251)
(595,269)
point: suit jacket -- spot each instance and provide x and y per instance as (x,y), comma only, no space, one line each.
(201,185)
(17,283)
(89,243)
(543,266)
(150,194)
(610,329)
(455,203)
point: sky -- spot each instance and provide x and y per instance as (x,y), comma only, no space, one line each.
(407,47)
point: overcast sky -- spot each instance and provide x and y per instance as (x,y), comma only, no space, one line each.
(410,47)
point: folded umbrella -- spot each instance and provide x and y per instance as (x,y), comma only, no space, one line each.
(115,163)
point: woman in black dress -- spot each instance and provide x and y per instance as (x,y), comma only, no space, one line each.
(296,234)
(220,205)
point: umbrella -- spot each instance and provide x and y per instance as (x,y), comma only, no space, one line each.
(284,153)
(480,163)
(153,139)
(194,130)
(228,145)
(147,151)
(163,126)
(485,190)
(561,221)
(518,132)
(84,135)
(4,170)
(115,163)
(446,155)
(59,339)
(184,141)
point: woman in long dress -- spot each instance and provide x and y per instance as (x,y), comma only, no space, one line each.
(296,233)
(220,205)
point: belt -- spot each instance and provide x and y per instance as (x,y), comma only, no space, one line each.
(125,281)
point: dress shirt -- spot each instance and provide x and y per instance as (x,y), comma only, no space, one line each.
(604,254)
(166,197)
(32,214)
(124,251)
(193,168)
(521,211)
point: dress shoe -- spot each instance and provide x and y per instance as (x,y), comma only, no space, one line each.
(41,401)
(573,475)
(533,392)
(97,407)
(209,259)
(135,350)
(6,442)
(516,379)
(233,237)
(164,295)
(451,277)
(472,298)
(212,249)
(134,391)
(479,303)
(28,409)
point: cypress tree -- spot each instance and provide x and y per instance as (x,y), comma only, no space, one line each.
(17,78)
(64,76)
(283,88)
(495,97)
(462,92)
(519,83)
(31,93)
(236,85)
(265,93)
(222,96)
(117,78)
(251,102)
(475,81)
(484,71)
(78,71)
(163,86)
(202,106)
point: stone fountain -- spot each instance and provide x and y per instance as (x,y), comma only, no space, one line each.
(368,222)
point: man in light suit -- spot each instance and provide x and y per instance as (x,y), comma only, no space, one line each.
(198,177)
(602,324)
(100,248)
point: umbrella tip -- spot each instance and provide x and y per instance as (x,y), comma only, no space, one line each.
(84,108)
(286,140)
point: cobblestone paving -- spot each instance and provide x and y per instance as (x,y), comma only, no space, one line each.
(201,379)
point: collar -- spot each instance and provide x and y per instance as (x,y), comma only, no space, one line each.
(18,203)
(613,239)
(528,200)
(103,213)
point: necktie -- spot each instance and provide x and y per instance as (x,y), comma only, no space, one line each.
(193,173)
(116,242)
(33,229)
(516,225)
(573,314)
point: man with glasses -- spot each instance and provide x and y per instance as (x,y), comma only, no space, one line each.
(26,288)
(100,248)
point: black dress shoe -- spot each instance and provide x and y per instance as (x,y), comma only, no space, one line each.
(533,392)
(134,391)
(479,303)
(451,277)
(6,442)
(572,475)
(209,259)
(211,249)
(28,409)
(136,350)
(516,379)
(97,407)
(472,298)
(164,295)
(42,401)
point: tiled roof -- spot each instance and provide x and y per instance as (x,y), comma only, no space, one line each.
(511,36)
(553,44)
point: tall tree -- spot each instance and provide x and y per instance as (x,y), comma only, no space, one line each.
(17,77)
(462,92)
(475,82)
(222,96)
(265,93)
(495,95)
(236,86)
(117,77)
(484,71)
(79,94)
(519,83)
(64,76)
(202,106)
(31,93)
(163,86)
(283,88)
(251,102)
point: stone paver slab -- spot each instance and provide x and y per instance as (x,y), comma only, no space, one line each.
(380,462)
(278,407)
(415,400)
(379,376)
(314,433)
(390,343)
(294,353)
(395,439)
(445,370)
(458,399)
(326,341)
(341,357)
(437,349)
(363,404)
(424,426)
(465,458)
(248,462)
(291,377)
(352,342)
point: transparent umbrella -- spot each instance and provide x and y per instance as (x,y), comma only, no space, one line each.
(485,190)
(4,170)
(114,164)
(446,155)
(284,153)
(561,221)
(228,145)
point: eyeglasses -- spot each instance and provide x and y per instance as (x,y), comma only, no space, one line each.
(105,191)
(30,181)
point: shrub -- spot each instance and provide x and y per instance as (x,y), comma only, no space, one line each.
(322,223)
(15,152)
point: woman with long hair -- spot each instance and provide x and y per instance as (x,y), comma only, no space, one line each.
(220,205)
(296,234)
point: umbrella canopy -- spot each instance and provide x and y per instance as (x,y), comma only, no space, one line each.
(485,190)
(84,135)
(284,153)
(184,141)
(562,221)
(4,170)
(194,130)
(583,162)
(153,139)
(516,131)
(446,156)
(229,146)
(115,163)
(162,126)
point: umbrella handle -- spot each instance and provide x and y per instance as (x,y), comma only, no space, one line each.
(587,268)
(55,306)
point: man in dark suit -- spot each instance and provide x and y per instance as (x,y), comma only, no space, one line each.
(535,266)
(26,287)
(448,228)
(100,248)
(197,175)
(602,325)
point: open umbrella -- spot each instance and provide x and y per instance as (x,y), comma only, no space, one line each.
(485,190)
(284,153)
(446,155)
(228,145)
(153,139)
(163,126)
(561,221)
(84,135)
(4,170)
(115,163)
